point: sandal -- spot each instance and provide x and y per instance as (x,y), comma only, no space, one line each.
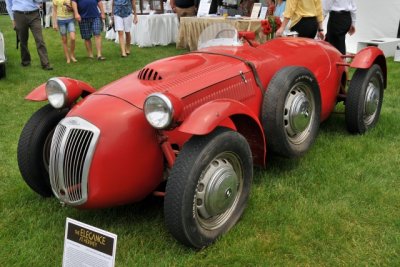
(101,58)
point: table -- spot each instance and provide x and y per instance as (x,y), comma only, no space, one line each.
(191,28)
(387,45)
(151,30)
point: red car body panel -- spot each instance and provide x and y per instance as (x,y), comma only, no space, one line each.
(128,162)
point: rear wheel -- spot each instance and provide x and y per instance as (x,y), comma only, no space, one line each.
(364,99)
(291,111)
(208,187)
(34,148)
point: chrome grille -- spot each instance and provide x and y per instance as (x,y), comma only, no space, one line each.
(71,153)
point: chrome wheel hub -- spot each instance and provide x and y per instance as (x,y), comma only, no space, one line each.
(298,113)
(218,191)
(371,102)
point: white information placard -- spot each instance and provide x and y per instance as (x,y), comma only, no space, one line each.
(263,13)
(255,11)
(204,8)
(85,245)
(397,55)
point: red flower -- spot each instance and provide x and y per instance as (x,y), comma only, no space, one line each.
(264,22)
(278,22)
(267,30)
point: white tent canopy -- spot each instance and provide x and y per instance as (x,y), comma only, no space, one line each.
(375,19)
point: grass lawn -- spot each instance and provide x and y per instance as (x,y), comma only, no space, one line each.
(339,205)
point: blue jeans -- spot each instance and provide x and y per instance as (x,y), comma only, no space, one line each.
(65,26)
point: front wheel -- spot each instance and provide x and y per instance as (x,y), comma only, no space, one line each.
(34,148)
(364,99)
(208,187)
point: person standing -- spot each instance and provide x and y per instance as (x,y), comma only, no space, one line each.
(184,8)
(87,13)
(25,16)
(306,18)
(279,8)
(271,7)
(122,16)
(49,13)
(342,18)
(63,21)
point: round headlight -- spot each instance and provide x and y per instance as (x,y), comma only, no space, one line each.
(56,93)
(158,110)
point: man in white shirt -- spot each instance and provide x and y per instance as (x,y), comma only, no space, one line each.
(342,18)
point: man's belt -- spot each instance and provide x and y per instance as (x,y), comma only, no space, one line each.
(26,12)
(340,12)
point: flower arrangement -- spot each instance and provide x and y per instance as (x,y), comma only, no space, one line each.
(270,25)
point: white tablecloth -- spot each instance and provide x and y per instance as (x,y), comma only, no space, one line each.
(157,29)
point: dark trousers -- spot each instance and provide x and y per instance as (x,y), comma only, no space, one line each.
(306,27)
(339,24)
(24,22)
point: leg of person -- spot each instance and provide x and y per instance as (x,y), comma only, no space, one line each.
(128,43)
(127,30)
(64,41)
(36,29)
(86,33)
(119,27)
(121,40)
(339,24)
(22,27)
(49,11)
(72,46)
(71,31)
(97,27)
(89,49)
(62,28)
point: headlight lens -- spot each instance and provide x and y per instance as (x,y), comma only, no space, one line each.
(158,110)
(56,93)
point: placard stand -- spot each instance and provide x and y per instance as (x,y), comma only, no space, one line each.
(85,245)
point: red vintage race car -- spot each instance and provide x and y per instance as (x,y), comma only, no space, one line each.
(196,123)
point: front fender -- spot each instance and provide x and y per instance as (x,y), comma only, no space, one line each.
(369,56)
(75,89)
(233,114)
(207,117)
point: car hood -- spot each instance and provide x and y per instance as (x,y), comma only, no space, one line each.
(180,75)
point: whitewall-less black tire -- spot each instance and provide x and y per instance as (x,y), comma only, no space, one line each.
(291,111)
(34,148)
(208,187)
(364,99)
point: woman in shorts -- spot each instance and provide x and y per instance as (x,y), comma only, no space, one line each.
(63,21)
(122,17)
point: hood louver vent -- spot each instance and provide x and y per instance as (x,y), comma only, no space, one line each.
(149,75)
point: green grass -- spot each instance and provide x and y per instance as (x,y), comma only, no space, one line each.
(339,205)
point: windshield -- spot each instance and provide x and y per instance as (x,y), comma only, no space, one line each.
(218,34)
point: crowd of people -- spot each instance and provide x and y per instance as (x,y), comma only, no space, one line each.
(90,15)
(303,16)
